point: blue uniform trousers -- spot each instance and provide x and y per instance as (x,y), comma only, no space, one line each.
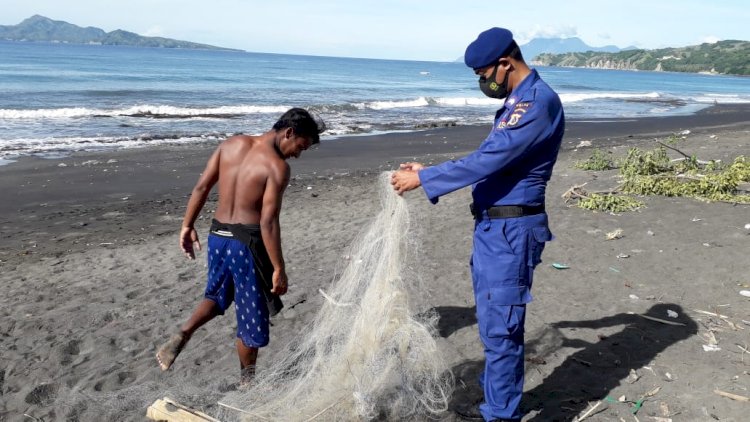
(505,252)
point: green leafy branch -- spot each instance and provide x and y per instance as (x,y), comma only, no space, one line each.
(652,172)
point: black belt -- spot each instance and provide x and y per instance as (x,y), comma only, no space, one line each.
(507,211)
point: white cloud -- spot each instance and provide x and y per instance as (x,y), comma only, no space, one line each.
(538,31)
(154,31)
(711,39)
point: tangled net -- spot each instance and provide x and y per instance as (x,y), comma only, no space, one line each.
(366,355)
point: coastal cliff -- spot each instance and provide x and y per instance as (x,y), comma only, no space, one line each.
(729,57)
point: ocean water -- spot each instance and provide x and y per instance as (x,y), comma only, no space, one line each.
(58,98)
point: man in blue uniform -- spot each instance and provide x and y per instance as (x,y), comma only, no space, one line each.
(508,175)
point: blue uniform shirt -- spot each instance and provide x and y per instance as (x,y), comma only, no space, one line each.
(514,163)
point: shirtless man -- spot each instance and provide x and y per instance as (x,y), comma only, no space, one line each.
(245,263)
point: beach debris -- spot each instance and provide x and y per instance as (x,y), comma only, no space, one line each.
(653,392)
(90,162)
(710,314)
(536,360)
(710,338)
(111,161)
(634,297)
(732,396)
(632,377)
(617,234)
(696,219)
(747,226)
(582,362)
(650,233)
(684,132)
(62,165)
(589,412)
(660,419)
(745,293)
(711,348)
(559,266)
(125,198)
(622,398)
(663,321)
(309,187)
(623,255)
(671,313)
(639,403)
(614,270)
(583,144)
(167,409)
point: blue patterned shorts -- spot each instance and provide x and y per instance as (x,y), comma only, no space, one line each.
(231,278)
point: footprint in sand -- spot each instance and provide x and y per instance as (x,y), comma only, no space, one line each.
(42,395)
(69,351)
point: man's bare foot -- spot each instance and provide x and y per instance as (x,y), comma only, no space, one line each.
(168,351)
(247,374)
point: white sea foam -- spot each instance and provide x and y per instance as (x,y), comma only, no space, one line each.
(721,99)
(577,97)
(386,105)
(139,110)
(467,101)
(11,148)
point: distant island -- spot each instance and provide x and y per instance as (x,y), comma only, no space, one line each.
(42,29)
(730,57)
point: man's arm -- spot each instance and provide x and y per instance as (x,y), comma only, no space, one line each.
(500,150)
(270,229)
(200,192)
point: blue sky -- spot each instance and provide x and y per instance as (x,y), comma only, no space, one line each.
(405,29)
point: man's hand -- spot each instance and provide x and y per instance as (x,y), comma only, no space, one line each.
(411,166)
(188,237)
(280,282)
(407,178)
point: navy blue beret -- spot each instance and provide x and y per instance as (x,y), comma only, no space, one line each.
(489,46)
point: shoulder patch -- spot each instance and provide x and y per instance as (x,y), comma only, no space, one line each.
(518,112)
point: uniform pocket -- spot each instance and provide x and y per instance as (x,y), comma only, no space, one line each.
(537,238)
(505,320)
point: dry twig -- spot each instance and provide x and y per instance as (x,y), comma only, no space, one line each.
(732,396)
(587,414)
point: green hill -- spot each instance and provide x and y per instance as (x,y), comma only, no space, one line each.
(42,29)
(729,57)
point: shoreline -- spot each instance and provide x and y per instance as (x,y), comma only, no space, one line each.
(75,199)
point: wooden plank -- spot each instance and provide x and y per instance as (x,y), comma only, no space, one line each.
(169,410)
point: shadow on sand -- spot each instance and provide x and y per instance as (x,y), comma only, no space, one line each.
(588,374)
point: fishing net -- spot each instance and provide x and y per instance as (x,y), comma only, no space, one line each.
(367,354)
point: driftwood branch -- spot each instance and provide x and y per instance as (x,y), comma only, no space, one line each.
(687,157)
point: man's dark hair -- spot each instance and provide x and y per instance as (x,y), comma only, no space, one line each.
(514,52)
(302,122)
